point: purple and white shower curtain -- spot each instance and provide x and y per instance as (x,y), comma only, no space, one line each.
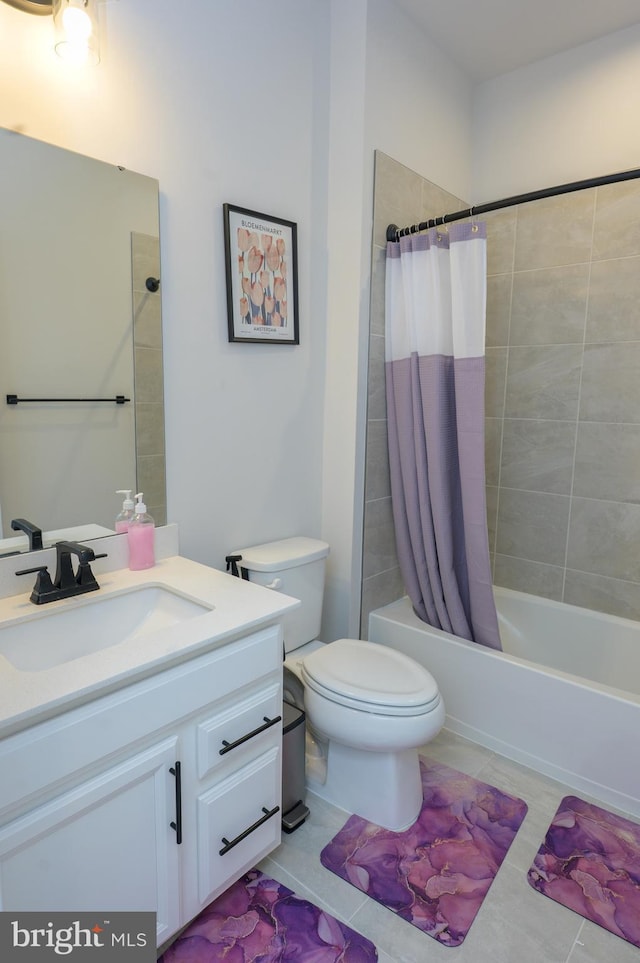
(435,330)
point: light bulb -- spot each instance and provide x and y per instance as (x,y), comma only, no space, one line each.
(77,25)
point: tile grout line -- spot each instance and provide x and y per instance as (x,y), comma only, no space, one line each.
(339,915)
(577,941)
(578,401)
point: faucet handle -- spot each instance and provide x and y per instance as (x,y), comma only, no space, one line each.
(43,588)
(29,571)
(85,575)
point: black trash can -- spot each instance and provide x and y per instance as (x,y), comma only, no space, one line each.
(294,810)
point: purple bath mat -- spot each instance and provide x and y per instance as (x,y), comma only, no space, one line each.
(437,872)
(259,919)
(590,862)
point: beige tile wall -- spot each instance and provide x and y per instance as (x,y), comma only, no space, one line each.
(563,397)
(562,394)
(149,385)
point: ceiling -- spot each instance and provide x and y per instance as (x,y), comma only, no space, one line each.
(490,37)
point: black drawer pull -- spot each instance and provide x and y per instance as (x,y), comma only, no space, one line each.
(175,771)
(268,813)
(228,746)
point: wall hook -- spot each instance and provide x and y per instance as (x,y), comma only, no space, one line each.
(152,284)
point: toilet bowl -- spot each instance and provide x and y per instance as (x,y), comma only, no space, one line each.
(368,707)
(371,707)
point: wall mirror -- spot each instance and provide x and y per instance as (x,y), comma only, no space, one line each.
(81,388)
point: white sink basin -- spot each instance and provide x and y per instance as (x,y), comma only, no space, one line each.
(50,638)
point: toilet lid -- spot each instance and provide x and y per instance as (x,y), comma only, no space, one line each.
(370,677)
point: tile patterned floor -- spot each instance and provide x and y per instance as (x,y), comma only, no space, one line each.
(515,924)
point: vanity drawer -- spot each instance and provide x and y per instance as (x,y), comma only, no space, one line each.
(55,752)
(238,821)
(240,731)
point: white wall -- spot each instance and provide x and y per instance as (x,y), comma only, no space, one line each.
(565,118)
(220,102)
(342,470)
(419,102)
(390,89)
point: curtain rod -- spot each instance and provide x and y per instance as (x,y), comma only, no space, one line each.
(394,232)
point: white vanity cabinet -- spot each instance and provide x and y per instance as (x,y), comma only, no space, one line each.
(104,845)
(153,797)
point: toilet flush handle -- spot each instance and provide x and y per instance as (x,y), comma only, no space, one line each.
(275,584)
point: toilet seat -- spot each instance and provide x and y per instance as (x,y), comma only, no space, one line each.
(371,678)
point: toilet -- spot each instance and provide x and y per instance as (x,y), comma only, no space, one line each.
(368,707)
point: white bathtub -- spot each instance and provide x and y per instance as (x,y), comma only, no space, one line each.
(557,699)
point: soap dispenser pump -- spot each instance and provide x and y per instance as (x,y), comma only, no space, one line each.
(141,536)
(124,518)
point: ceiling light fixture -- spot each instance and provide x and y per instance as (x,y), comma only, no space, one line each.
(75,24)
(32,6)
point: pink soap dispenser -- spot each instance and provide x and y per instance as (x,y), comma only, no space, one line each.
(141,536)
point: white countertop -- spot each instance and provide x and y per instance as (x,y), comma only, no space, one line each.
(239,607)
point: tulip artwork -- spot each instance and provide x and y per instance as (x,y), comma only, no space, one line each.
(261,270)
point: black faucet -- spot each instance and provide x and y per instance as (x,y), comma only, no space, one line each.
(67,583)
(33,533)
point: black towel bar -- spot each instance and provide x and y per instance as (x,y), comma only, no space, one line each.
(14,400)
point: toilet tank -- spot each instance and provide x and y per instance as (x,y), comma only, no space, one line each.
(296,567)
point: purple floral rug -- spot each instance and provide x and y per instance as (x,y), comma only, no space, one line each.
(590,862)
(260,920)
(435,874)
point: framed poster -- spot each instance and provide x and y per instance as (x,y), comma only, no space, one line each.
(262,277)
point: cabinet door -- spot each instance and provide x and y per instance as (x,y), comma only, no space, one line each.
(105,845)
(238,822)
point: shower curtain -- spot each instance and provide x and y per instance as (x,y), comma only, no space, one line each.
(435,327)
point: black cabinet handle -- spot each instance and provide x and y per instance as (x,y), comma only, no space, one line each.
(175,771)
(268,813)
(228,746)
